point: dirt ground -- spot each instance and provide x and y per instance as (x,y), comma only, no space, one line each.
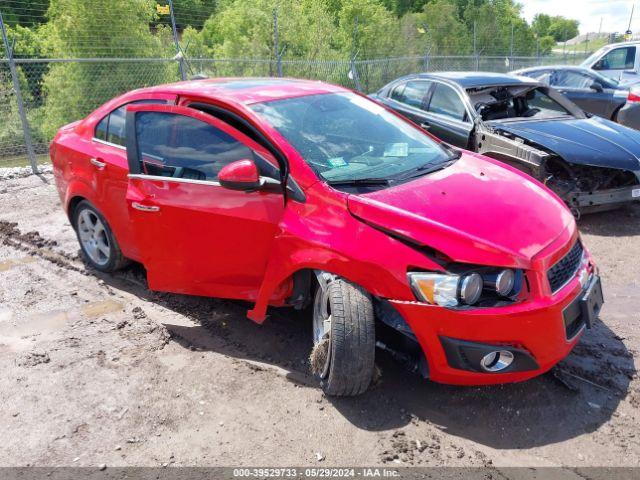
(95,369)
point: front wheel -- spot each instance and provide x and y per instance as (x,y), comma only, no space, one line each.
(344,338)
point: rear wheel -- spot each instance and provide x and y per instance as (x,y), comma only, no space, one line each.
(344,338)
(97,242)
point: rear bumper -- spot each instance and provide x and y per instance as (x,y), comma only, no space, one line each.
(535,331)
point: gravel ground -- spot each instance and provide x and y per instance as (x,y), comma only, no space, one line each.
(95,369)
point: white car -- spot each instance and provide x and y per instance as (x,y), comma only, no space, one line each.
(620,61)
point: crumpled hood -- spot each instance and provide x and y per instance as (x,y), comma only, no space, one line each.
(589,141)
(475,211)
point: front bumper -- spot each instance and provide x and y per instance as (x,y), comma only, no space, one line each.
(535,329)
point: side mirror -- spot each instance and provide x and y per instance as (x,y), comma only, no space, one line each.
(597,86)
(240,175)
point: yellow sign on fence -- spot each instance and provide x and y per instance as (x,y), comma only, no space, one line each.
(163,10)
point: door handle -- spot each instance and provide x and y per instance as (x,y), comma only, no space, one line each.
(145,208)
(99,164)
(425,125)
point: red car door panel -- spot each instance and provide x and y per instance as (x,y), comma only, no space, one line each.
(194,236)
(110,163)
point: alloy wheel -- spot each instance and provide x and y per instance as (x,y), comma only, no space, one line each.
(93,237)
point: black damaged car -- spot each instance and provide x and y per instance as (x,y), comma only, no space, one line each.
(593,164)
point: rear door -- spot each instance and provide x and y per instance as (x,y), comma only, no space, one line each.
(447,116)
(196,237)
(108,162)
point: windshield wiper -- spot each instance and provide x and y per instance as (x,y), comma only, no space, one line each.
(428,168)
(454,153)
(359,181)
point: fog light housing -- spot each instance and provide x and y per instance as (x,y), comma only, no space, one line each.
(496,361)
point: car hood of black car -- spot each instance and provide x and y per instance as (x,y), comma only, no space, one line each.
(586,141)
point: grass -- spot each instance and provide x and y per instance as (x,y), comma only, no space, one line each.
(579,48)
(23,160)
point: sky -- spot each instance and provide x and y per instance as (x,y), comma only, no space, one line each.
(614,13)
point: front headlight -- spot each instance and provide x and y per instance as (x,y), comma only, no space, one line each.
(446,290)
(467,288)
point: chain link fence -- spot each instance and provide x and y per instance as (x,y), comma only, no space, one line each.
(58,91)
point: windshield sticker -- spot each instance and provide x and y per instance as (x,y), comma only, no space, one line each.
(396,150)
(337,162)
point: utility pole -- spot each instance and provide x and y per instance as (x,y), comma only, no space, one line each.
(600,28)
(179,54)
(26,129)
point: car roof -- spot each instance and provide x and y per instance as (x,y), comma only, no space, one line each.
(247,90)
(477,79)
(619,44)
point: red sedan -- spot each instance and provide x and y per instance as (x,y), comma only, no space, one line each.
(296,193)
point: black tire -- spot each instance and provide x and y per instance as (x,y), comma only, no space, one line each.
(351,342)
(115,260)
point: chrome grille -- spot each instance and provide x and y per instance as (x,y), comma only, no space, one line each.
(565,268)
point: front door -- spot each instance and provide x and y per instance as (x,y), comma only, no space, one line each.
(447,117)
(194,236)
(577,87)
(619,63)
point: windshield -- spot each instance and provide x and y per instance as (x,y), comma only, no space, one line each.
(345,137)
(516,102)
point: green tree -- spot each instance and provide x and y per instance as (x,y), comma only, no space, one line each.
(118,28)
(242,30)
(27,13)
(367,28)
(495,21)
(192,13)
(540,25)
(546,44)
(445,32)
(402,7)
(563,29)
(558,27)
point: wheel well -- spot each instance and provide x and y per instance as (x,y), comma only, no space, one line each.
(614,115)
(73,203)
(303,288)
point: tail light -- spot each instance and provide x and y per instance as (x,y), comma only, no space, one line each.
(633,97)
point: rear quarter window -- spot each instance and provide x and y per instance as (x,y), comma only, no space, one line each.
(112,129)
